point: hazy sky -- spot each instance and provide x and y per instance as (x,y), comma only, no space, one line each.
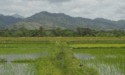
(110,9)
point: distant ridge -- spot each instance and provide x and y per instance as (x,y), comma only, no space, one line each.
(49,20)
(6,21)
(17,16)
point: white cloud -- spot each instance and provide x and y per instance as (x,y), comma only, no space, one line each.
(110,9)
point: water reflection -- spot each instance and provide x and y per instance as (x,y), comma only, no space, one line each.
(16,69)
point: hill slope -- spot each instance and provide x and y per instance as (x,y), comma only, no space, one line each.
(8,20)
(53,20)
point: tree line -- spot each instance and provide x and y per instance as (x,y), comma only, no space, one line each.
(41,32)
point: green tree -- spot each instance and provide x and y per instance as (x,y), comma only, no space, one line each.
(85,32)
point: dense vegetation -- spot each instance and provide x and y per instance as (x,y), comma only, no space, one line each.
(22,32)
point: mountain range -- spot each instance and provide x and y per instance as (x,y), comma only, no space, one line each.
(6,21)
(49,20)
(17,16)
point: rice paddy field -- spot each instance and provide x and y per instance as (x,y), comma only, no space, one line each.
(19,55)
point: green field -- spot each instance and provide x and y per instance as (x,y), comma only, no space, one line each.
(96,55)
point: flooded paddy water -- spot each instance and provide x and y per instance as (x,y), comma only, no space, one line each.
(17,69)
(9,67)
(14,57)
(105,64)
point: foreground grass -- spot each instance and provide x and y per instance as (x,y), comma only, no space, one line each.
(62,62)
(108,61)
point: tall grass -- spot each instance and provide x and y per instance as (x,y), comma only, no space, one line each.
(17,69)
(62,62)
(108,61)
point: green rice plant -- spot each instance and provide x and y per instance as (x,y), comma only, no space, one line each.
(62,62)
(108,61)
(101,51)
(97,45)
(17,69)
